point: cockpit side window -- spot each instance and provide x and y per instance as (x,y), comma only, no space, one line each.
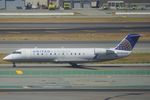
(17,52)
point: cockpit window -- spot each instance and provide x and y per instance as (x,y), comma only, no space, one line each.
(16,52)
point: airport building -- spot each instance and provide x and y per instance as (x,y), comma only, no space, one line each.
(110,4)
(21,4)
(76,4)
(36,4)
(125,4)
(82,3)
(12,4)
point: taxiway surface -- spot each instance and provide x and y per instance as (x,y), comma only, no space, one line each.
(73,27)
(67,83)
(75,95)
(66,77)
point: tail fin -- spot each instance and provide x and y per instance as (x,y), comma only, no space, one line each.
(128,42)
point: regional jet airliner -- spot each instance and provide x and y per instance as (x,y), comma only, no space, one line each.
(74,56)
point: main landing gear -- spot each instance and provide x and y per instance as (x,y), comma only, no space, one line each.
(74,65)
(14,64)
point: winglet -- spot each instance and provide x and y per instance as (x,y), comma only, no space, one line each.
(128,42)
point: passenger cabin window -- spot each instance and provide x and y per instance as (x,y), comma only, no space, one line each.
(17,52)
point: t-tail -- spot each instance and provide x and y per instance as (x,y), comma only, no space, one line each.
(128,43)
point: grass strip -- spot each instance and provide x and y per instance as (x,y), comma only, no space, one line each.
(74,20)
(132,59)
(86,36)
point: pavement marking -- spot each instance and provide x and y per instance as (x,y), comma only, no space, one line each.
(132,13)
(19,72)
(14,32)
(37,14)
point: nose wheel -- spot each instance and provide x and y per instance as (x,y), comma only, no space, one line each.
(14,64)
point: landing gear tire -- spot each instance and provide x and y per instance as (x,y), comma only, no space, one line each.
(74,65)
(14,64)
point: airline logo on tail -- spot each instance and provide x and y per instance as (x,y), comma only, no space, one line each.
(128,42)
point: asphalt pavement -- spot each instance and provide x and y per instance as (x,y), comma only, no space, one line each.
(66,83)
(75,95)
(67,77)
(73,27)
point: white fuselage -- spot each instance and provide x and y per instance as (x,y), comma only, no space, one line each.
(65,55)
(74,56)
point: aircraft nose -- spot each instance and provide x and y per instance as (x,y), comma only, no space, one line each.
(7,58)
